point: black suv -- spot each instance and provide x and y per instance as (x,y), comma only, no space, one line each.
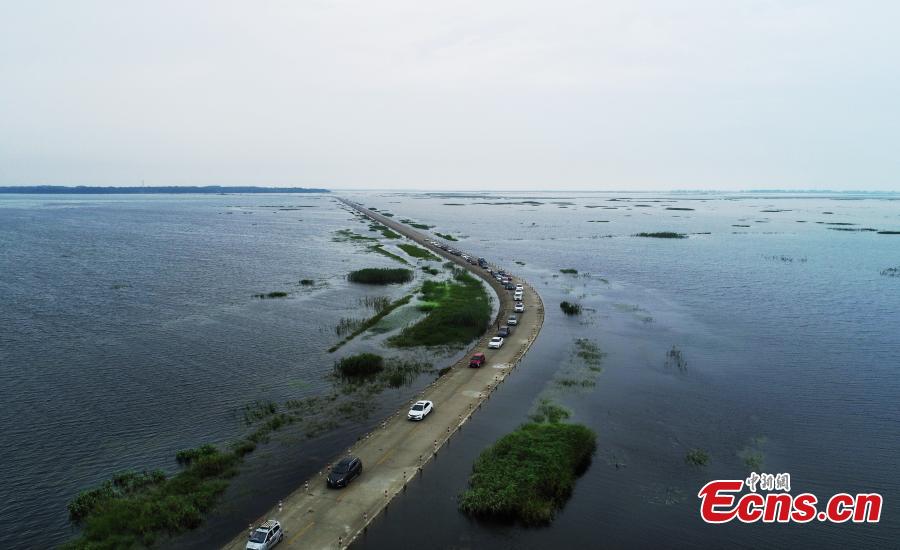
(344,472)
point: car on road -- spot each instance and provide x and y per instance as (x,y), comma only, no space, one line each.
(420,410)
(265,536)
(520,307)
(477,360)
(518,296)
(504,331)
(345,471)
(513,320)
(496,342)
(520,287)
(509,286)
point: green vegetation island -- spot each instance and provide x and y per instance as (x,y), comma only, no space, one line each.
(529,474)
(167,189)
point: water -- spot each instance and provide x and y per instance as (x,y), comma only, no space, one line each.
(128,331)
(794,358)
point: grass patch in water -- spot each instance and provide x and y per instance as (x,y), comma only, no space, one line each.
(446,237)
(380,276)
(570,308)
(889,232)
(461,314)
(416,225)
(697,457)
(372,321)
(417,252)
(569,270)
(379,248)
(530,473)
(274,294)
(663,235)
(307,282)
(384,231)
(430,270)
(891,272)
(344,235)
(136,509)
(362,364)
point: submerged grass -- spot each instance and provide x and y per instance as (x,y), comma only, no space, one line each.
(416,225)
(461,313)
(417,252)
(379,248)
(529,474)
(446,237)
(569,270)
(372,321)
(663,235)
(380,276)
(274,294)
(362,364)
(697,457)
(384,231)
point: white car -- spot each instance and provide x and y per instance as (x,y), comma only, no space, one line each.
(512,320)
(520,288)
(518,296)
(520,307)
(265,536)
(420,410)
(496,342)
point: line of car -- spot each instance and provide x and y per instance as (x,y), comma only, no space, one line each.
(270,533)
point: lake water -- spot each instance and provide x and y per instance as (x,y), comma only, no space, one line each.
(128,331)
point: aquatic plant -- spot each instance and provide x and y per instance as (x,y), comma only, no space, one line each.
(347,324)
(675,358)
(663,235)
(343,235)
(547,411)
(570,308)
(569,270)
(189,455)
(372,321)
(430,270)
(380,276)
(416,225)
(697,457)
(417,252)
(134,510)
(530,473)
(677,208)
(377,303)
(384,231)
(891,272)
(753,460)
(307,282)
(446,237)
(461,313)
(362,364)
(889,232)
(258,410)
(379,248)
(275,294)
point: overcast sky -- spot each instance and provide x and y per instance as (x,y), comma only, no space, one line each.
(462,94)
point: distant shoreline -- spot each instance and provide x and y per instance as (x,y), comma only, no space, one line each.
(208,189)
